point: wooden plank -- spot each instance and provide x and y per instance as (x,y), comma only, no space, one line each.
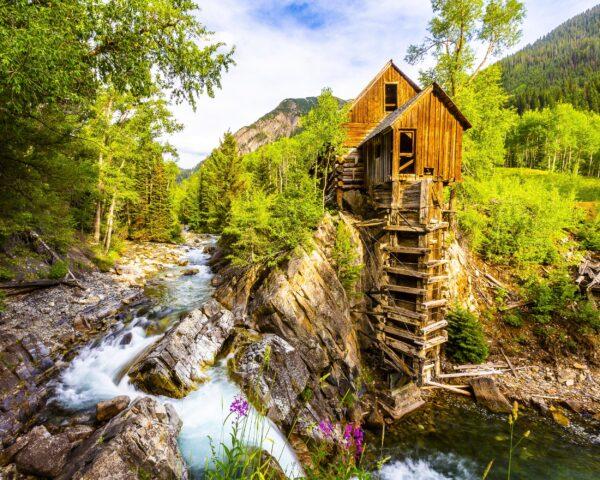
(405,312)
(402,346)
(407,250)
(403,289)
(401,333)
(437,279)
(405,228)
(434,342)
(434,303)
(434,326)
(406,272)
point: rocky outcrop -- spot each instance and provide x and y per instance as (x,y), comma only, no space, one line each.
(305,317)
(107,409)
(487,394)
(280,122)
(43,454)
(275,374)
(139,443)
(175,364)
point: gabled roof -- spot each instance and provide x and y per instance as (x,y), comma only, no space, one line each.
(388,121)
(389,64)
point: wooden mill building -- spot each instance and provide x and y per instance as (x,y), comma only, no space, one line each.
(404,146)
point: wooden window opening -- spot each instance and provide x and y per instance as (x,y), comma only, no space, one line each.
(407,147)
(391,97)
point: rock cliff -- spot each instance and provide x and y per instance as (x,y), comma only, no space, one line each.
(304,360)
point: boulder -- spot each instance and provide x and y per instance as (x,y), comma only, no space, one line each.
(487,393)
(139,443)
(43,454)
(107,409)
(190,271)
(175,364)
(273,372)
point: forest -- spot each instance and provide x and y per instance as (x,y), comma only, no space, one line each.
(194,316)
(561,67)
(84,88)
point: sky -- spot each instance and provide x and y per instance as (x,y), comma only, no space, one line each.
(294,48)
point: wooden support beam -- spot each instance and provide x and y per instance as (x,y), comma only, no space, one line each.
(407,272)
(405,312)
(403,289)
(407,250)
(433,327)
(434,303)
(437,279)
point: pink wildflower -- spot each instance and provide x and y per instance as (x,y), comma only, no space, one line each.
(239,406)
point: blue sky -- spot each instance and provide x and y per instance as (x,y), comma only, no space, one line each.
(294,48)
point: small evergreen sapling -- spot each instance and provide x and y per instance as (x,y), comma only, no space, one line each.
(466,341)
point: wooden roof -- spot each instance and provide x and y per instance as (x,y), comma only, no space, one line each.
(434,88)
(389,64)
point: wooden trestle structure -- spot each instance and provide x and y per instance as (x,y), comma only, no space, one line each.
(404,146)
(408,303)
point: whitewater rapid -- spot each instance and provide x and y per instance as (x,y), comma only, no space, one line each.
(99,373)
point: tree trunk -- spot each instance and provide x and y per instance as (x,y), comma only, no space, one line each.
(98,217)
(110,223)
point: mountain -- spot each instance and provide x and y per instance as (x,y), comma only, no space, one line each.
(562,66)
(278,123)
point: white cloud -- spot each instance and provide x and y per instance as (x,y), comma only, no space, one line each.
(279,57)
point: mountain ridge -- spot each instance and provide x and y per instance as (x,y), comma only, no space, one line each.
(561,66)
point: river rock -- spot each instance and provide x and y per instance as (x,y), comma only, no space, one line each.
(175,364)
(487,393)
(190,271)
(275,374)
(107,409)
(43,454)
(139,443)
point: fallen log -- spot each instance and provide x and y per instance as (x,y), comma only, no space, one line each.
(24,287)
(474,373)
(451,388)
(56,257)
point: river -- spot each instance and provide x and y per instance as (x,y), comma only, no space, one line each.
(98,372)
(450,439)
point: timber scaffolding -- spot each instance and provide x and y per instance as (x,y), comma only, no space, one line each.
(407,304)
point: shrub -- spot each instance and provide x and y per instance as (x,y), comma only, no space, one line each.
(466,341)
(516,220)
(513,319)
(5,274)
(589,235)
(58,270)
(346,258)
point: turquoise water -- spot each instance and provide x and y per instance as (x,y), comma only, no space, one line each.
(98,372)
(453,438)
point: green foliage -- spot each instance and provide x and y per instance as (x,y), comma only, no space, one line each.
(456,33)
(346,258)
(562,66)
(268,202)
(557,299)
(558,139)
(515,219)
(58,270)
(466,341)
(73,75)
(5,274)
(513,319)
(589,234)
(2,301)
(483,102)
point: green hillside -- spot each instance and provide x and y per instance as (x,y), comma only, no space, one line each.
(562,66)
